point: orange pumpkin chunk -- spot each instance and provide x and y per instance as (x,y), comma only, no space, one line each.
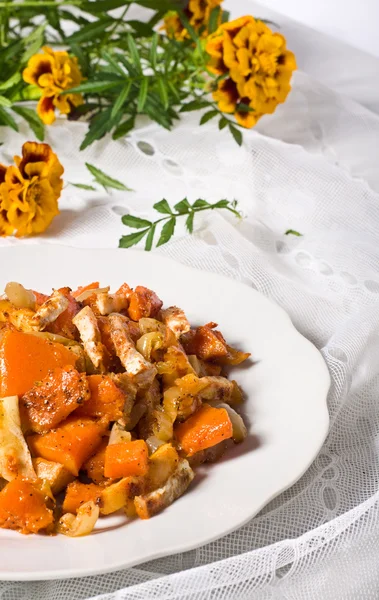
(94,466)
(126,458)
(25,359)
(206,428)
(53,399)
(71,444)
(22,507)
(106,399)
(143,303)
(78,493)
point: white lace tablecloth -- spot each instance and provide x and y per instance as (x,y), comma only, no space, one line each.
(313,167)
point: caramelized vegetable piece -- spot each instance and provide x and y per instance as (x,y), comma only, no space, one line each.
(117,495)
(143,303)
(150,504)
(54,473)
(40,298)
(78,494)
(91,286)
(23,507)
(63,325)
(206,428)
(126,459)
(71,444)
(163,463)
(25,359)
(80,524)
(106,399)
(94,466)
(15,459)
(51,400)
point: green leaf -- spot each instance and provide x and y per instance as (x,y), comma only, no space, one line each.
(194,105)
(222,123)
(200,203)
(94,87)
(33,43)
(236,133)
(7,119)
(101,5)
(142,29)
(150,238)
(208,116)
(121,99)
(83,186)
(142,94)
(132,239)
(124,128)
(174,91)
(221,204)
(91,31)
(134,52)
(81,56)
(99,126)
(112,60)
(167,232)
(135,222)
(163,92)
(16,77)
(244,108)
(105,180)
(163,207)
(153,50)
(33,119)
(214,19)
(189,222)
(5,102)
(293,232)
(182,207)
(225,16)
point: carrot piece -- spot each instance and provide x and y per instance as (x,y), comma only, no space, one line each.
(53,399)
(78,493)
(126,458)
(71,444)
(206,343)
(91,286)
(26,358)
(63,325)
(94,466)
(22,507)
(143,303)
(107,399)
(206,428)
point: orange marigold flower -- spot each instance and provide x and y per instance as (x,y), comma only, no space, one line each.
(197,13)
(54,72)
(29,191)
(257,65)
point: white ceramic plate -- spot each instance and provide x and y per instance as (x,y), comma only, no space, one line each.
(286,410)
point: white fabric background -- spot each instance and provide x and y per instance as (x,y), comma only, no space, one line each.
(313,167)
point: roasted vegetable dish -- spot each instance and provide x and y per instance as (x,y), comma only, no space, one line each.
(108,402)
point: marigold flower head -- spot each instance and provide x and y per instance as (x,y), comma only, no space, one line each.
(29,191)
(54,72)
(197,12)
(257,66)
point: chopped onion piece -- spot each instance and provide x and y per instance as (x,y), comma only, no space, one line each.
(80,524)
(19,296)
(87,293)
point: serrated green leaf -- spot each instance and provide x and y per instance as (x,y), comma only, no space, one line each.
(174,91)
(121,99)
(163,92)
(132,239)
(153,50)
(5,85)
(112,61)
(222,123)
(189,222)
(7,119)
(236,133)
(142,94)
(33,43)
(91,31)
(214,19)
(142,29)
(33,119)
(124,128)
(208,116)
(94,87)
(5,102)
(81,56)
(150,238)
(105,180)
(200,203)
(194,105)
(134,53)
(99,126)
(163,207)
(167,232)
(83,186)
(293,232)
(135,222)
(182,207)
(221,204)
